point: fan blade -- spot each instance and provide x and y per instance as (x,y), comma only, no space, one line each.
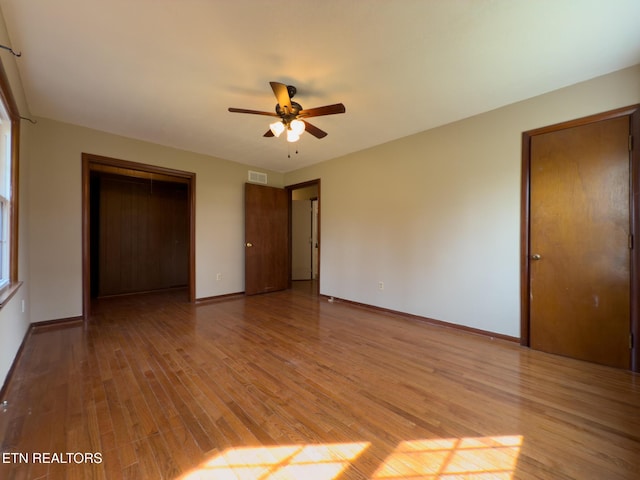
(282,94)
(326,110)
(313,130)
(254,112)
(269,134)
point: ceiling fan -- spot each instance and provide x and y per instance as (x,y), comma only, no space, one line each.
(292,115)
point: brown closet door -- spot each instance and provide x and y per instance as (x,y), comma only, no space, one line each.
(579,242)
(143,235)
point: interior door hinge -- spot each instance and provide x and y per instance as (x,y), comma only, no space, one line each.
(630,242)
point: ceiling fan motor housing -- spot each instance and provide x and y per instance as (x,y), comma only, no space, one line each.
(295,108)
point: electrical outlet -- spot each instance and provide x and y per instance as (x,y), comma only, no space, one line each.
(380,285)
(219,277)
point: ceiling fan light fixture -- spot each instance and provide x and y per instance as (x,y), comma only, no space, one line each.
(277,128)
(297,126)
(292,136)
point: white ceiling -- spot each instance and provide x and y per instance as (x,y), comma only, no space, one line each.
(166,71)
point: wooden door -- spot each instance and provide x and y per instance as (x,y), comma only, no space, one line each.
(301,239)
(142,235)
(580,265)
(266,239)
(315,239)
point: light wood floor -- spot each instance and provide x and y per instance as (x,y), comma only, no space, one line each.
(288,385)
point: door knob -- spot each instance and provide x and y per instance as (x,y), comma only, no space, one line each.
(249,244)
(536,256)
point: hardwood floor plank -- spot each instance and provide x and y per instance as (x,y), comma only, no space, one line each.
(287,382)
(121,428)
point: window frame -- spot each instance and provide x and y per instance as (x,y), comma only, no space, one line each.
(8,100)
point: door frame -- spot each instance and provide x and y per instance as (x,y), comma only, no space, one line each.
(290,189)
(633,112)
(98,163)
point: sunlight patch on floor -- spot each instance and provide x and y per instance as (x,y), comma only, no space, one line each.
(480,458)
(309,462)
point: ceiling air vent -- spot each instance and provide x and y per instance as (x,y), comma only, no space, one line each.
(257,177)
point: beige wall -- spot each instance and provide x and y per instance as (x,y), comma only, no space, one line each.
(55,213)
(436,216)
(305,193)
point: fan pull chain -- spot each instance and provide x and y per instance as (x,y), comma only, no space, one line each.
(289,151)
